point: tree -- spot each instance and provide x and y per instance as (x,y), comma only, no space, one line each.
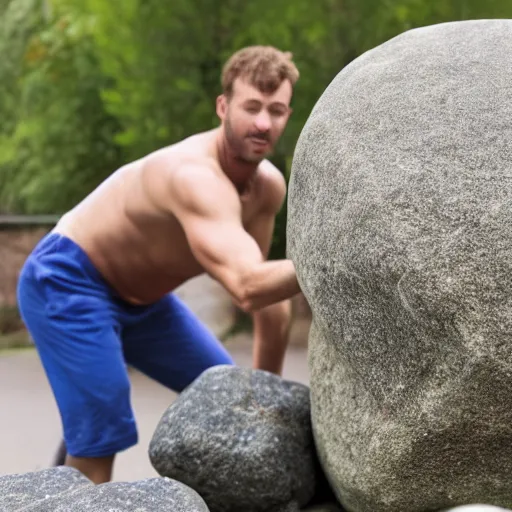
(18,22)
(61,144)
(87,85)
(164,60)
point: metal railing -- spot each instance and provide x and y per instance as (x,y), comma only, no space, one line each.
(19,221)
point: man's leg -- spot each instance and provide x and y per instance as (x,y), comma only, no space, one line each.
(97,469)
(170,345)
(60,456)
(76,338)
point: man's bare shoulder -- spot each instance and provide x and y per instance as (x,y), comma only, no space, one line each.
(177,178)
(194,151)
(272,186)
(172,162)
(181,164)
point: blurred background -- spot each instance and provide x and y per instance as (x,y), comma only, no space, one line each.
(88,85)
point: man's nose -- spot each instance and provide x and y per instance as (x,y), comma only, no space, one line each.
(263,121)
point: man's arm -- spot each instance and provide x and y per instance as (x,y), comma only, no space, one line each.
(209,210)
(271,335)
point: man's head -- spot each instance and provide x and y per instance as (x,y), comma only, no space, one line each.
(254,108)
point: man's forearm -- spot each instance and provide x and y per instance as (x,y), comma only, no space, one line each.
(271,334)
(269,283)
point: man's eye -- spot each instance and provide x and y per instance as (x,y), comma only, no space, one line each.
(277,112)
(252,110)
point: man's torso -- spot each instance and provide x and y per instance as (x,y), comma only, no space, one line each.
(138,247)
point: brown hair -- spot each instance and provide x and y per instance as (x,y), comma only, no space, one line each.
(264,67)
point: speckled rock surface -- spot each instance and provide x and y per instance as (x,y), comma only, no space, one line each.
(476,508)
(63,489)
(242,439)
(151,495)
(400,226)
(19,491)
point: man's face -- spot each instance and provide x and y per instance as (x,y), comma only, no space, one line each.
(254,121)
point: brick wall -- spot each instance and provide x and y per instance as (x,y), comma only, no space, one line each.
(15,245)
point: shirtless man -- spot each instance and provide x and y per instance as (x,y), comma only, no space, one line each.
(95,293)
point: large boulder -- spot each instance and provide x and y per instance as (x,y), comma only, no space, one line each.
(242,439)
(400,226)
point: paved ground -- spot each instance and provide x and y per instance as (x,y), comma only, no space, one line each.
(30,428)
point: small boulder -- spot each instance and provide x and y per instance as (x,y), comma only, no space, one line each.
(150,495)
(19,491)
(242,439)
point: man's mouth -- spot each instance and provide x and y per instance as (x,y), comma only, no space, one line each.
(261,141)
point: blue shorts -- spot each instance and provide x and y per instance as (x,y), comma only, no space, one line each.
(86,335)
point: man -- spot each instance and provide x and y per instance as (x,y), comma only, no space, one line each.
(95,293)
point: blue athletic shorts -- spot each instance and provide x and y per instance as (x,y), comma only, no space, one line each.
(86,335)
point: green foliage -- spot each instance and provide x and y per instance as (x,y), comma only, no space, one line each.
(17,22)
(164,60)
(86,85)
(161,67)
(60,145)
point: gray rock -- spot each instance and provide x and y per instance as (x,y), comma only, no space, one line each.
(19,491)
(241,438)
(476,508)
(151,495)
(291,506)
(400,226)
(324,507)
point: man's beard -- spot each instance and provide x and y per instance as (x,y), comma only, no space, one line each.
(238,146)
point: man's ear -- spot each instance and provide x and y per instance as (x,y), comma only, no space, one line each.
(222,106)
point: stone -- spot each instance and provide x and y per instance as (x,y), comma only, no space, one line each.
(242,439)
(150,495)
(476,508)
(400,227)
(291,506)
(19,491)
(324,507)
